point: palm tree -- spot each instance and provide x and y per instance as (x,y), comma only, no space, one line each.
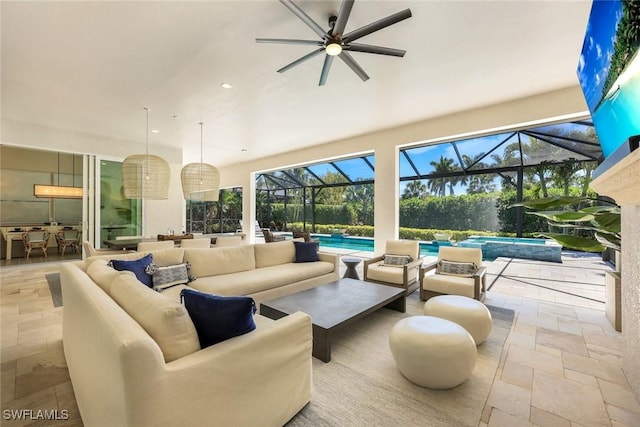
(588,167)
(478,183)
(564,174)
(415,189)
(438,186)
(361,196)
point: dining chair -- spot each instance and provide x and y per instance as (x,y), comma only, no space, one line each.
(35,240)
(68,238)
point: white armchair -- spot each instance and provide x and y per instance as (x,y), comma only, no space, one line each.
(396,271)
(458,271)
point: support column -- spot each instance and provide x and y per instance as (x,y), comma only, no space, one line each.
(249,207)
(386,204)
(519,209)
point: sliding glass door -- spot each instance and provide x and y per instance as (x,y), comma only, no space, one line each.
(117,216)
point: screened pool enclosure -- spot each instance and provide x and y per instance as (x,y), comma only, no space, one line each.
(533,162)
(464,184)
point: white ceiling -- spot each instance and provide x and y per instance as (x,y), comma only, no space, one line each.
(93,66)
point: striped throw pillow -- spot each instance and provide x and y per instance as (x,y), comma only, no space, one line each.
(396,260)
(454,268)
(167,277)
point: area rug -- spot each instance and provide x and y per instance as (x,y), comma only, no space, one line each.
(361,386)
(53,280)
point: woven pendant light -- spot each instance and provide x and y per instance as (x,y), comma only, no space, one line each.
(200,181)
(145,176)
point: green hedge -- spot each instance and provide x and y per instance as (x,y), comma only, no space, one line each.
(405,232)
(464,212)
(325,214)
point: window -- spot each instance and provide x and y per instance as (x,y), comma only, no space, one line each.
(223,216)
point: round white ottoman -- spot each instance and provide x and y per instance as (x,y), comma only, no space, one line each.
(467,312)
(432,352)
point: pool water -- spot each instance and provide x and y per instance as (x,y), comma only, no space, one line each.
(366,244)
(513,247)
(485,239)
(492,247)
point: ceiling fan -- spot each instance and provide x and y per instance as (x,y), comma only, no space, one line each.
(335,43)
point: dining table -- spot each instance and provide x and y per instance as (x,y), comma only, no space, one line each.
(125,244)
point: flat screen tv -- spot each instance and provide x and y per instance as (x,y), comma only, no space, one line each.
(609,74)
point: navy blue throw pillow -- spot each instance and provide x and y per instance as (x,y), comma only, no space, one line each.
(306,251)
(218,318)
(137,267)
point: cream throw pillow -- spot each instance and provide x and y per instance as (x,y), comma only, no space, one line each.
(216,261)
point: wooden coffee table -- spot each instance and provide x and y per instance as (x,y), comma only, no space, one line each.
(335,305)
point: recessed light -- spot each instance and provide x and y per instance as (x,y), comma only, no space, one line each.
(226,85)
(155,131)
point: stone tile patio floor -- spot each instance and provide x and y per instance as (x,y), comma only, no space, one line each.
(561,364)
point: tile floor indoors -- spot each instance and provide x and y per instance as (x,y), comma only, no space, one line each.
(561,364)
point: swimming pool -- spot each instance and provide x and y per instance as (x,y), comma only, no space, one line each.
(366,244)
(492,246)
(513,247)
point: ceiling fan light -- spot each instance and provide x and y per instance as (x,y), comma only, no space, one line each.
(333,49)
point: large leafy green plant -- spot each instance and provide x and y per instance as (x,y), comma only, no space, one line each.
(602,222)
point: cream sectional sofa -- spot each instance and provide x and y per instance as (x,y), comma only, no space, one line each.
(133,354)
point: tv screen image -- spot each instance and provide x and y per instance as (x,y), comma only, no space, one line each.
(609,71)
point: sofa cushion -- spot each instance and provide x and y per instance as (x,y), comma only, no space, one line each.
(449,285)
(162,257)
(165,320)
(215,261)
(138,267)
(275,253)
(250,282)
(104,275)
(306,251)
(403,247)
(166,257)
(383,273)
(219,318)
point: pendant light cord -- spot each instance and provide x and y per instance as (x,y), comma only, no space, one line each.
(201,133)
(201,164)
(146,152)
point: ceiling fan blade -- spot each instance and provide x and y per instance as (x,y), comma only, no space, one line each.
(348,59)
(378,25)
(301,60)
(380,50)
(328,60)
(290,41)
(304,17)
(343,16)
